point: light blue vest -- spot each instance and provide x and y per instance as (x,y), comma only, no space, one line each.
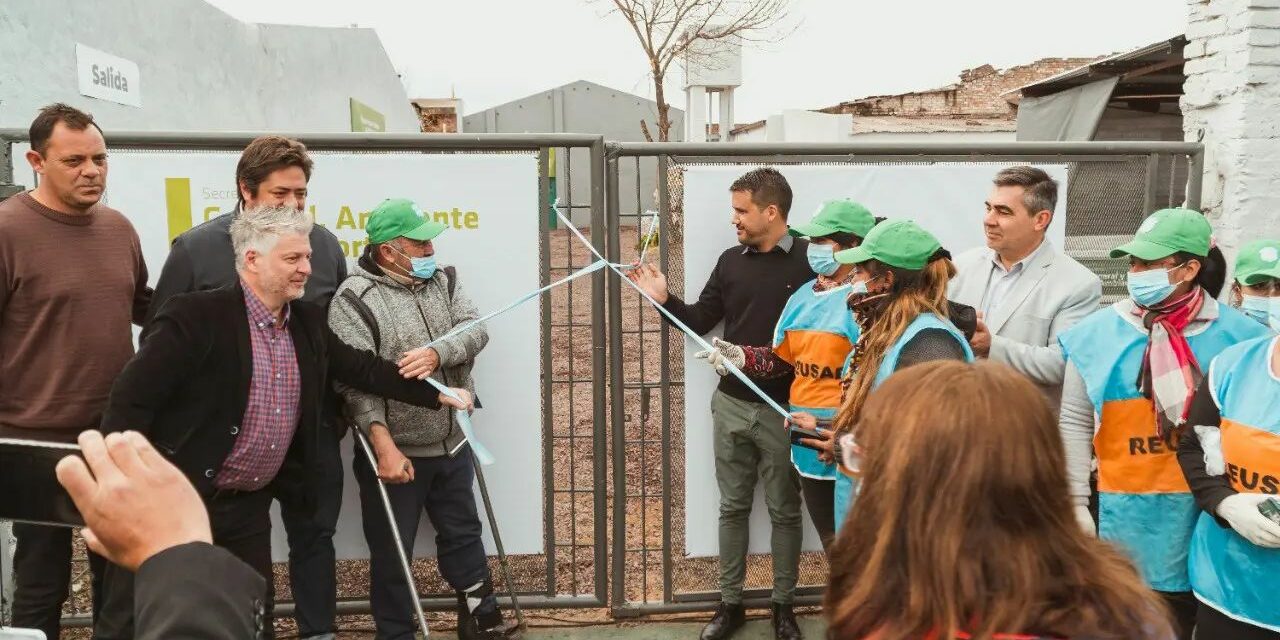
(1229,573)
(816,327)
(846,487)
(1144,503)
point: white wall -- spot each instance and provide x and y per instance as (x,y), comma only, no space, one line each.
(1230,102)
(200,68)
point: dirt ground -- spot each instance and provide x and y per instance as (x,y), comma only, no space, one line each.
(573,427)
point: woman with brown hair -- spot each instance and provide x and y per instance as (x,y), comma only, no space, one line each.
(963,527)
(898,297)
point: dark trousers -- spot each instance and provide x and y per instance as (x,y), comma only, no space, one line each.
(240,522)
(1183,606)
(441,486)
(310,529)
(1212,624)
(42,577)
(820,502)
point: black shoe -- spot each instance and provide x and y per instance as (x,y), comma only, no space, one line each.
(728,619)
(785,626)
(483,626)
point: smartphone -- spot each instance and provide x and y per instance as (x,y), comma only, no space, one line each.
(1271,509)
(797,434)
(29,488)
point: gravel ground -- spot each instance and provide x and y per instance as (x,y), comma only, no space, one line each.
(574,466)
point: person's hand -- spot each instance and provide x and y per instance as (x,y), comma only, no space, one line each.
(803,420)
(464,403)
(651,281)
(981,340)
(825,444)
(135,504)
(419,363)
(1085,519)
(722,352)
(1241,512)
(393,466)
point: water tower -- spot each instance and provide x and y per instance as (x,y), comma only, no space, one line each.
(712,70)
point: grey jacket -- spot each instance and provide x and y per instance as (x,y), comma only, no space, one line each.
(408,317)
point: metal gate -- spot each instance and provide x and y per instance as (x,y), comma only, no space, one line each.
(1111,188)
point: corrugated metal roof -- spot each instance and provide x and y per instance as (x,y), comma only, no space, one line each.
(1106,67)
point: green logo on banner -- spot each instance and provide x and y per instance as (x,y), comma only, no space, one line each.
(366,118)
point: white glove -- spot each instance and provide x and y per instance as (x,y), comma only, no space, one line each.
(1241,512)
(1086,520)
(723,352)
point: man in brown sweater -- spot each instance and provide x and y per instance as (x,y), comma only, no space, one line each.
(72,281)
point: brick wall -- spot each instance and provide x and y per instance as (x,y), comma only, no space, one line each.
(978,92)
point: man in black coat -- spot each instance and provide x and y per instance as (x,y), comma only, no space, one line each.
(276,171)
(230,385)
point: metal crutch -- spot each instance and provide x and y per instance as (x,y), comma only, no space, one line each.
(497,542)
(395,531)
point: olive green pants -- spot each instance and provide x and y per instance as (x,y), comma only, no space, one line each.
(750,443)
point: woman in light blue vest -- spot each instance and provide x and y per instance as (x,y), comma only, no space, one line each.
(899,300)
(812,340)
(1132,369)
(1231,460)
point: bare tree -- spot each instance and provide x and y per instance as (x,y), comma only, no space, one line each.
(671,30)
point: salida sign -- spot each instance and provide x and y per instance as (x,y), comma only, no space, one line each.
(108,77)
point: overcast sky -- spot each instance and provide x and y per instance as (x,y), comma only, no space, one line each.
(488,52)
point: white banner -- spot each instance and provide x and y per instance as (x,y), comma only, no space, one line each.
(489,202)
(945,198)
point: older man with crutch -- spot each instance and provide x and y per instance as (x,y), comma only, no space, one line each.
(397,300)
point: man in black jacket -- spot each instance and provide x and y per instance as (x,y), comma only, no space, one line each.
(276,171)
(230,384)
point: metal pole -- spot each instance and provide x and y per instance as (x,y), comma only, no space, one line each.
(395,532)
(6,572)
(611,253)
(1195,179)
(1149,197)
(545,216)
(970,149)
(497,542)
(599,431)
(664,250)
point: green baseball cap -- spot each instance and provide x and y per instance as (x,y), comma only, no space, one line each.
(837,216)
(1167,232)
(898,243)
(1258,261)
(399,217)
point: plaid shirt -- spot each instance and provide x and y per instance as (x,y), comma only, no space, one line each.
(271,417)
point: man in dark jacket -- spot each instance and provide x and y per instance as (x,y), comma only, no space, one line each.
(231,385)
(275,171)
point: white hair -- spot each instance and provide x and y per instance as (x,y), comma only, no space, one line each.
(260,228)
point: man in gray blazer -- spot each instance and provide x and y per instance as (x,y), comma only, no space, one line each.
(1025,290)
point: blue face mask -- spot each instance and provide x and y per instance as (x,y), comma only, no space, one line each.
(1263,309)
(423,268)
(822,259)
(1149,288)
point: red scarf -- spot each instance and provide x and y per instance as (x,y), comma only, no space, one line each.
(1170,374)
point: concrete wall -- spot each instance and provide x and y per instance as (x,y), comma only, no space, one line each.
(1230,102)
(200,68)
(585,107)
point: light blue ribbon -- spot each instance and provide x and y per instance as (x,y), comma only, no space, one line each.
(737,373)
(482,454)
